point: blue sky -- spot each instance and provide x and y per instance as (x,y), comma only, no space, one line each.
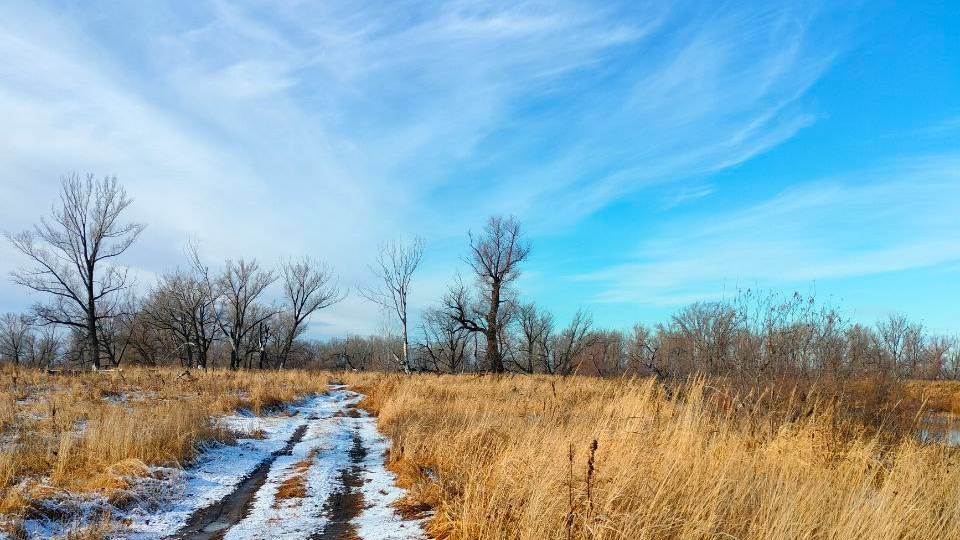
(657,153)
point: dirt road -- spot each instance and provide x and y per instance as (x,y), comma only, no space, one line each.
(326,481)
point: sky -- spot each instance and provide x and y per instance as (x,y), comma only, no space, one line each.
(657,154)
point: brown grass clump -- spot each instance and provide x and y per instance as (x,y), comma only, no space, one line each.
(165,435)
(295,487)
(540,458)
(937,396)
(256,434)
(98,530)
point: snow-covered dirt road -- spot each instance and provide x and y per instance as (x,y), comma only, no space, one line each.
(327,481)
(316,472)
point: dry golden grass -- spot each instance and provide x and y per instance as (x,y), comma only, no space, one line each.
(539,458)
(938,396)
(525,457)
(89,433)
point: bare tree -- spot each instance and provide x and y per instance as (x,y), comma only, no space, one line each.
(68,250)
(116,333)
(535,329)
(358,352)
(395,266)
(609,353)
(949,348)
(46,347)
(707,330)
(147,341)
(568,347)
(236,311)
(495,257)
(15,338)
(643,348)
(444,345)
(898,342)
(181,307)
(308,286)
(261,337)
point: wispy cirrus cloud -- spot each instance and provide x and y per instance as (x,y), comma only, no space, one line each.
(273,129)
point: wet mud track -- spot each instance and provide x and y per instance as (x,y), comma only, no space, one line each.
(346,503)
(212,522)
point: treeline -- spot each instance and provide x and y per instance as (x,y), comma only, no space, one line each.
(203,317)
(754,336)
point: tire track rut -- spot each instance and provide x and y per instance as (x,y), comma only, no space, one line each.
(346,503)
(212,522)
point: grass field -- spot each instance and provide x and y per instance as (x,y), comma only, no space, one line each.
(525,457)
(533,457)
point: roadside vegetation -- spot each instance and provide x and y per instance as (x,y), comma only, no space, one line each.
(577,457)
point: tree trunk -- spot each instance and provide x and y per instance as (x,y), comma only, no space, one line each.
(406,349)
(93,344)
(493,347)
(93,341)
(287,347)
(201,353)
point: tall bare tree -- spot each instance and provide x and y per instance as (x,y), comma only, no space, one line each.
(308,286)
(495,257)
(68,254)
(395,266)
(238,314)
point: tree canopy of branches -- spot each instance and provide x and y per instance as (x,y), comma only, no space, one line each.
(68,254)
(236,291)
(444,345)
(89,314)
(308,286)
(181,306)
(14,338)
(535,330)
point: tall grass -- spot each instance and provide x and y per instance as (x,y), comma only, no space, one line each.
(538,458)
(532,457)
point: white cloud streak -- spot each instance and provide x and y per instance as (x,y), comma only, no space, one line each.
(268,130)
